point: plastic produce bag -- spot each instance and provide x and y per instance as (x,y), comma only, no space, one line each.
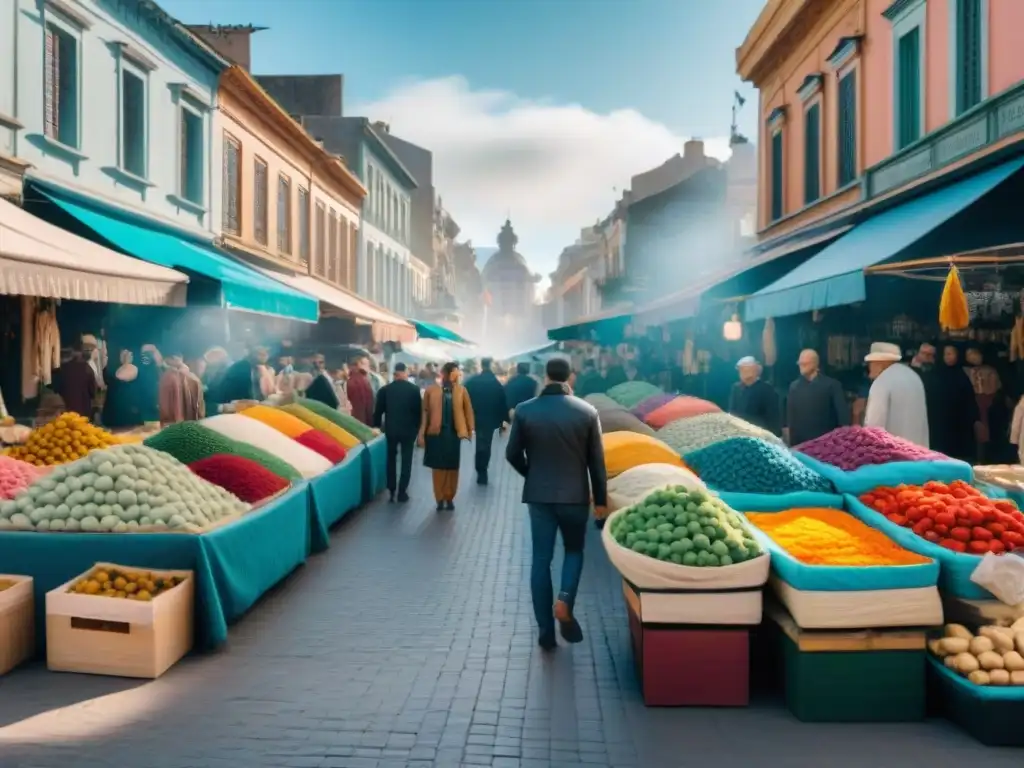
(1003,576)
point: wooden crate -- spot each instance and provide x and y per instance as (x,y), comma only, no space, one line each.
(854,676)
(681,665)
(17,622)
(124,638)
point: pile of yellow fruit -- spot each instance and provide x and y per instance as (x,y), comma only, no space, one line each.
(128,585)
(67,438)
(6,584)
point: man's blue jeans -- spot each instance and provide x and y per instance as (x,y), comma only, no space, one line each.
(546,520)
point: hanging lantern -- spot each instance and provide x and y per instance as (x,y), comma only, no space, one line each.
(733,329)
(954,313)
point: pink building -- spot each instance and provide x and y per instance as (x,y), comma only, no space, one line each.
(867,101)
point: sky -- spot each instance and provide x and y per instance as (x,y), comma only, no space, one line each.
(540,110)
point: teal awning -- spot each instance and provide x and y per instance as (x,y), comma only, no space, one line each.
(437,333)
(241,287)
(835,276)
(607,327)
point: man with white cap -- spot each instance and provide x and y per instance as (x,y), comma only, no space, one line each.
(896,400)
(755,400)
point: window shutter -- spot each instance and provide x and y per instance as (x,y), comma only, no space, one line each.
(968,54)
(812,154)
(848,128)
(910,88)
(776,172)
(52,85)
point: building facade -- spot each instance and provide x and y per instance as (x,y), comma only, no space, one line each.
(286,201)
(384,268)
(112,100)
(862,101)
(574,284)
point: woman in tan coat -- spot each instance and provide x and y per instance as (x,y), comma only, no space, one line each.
(447,421)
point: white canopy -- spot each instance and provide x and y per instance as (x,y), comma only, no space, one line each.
(40,259)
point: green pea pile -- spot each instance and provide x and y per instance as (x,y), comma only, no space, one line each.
(686,528)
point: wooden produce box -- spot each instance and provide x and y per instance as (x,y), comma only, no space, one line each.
(114,636)
(991,714)
(17,622)
(682,665)
(854,676)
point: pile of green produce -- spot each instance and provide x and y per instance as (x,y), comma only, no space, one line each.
(685,527)
(120,489)
(604,403)
(632,393)
(349,423)
(189,441)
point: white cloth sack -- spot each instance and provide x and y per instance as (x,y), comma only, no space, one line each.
(637,483)
(1003,576)
(647,573)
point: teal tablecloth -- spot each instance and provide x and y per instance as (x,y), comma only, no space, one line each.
(234,565)
(335,493)
(377,479)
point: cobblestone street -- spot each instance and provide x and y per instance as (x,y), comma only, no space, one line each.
(411,643)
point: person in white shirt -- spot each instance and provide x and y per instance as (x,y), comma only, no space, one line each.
(896,400)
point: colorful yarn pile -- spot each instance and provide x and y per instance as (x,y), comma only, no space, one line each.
(330,449)
(749,465)
(349,423)
(239,476)
(851,448)
(190,441)
(329,428)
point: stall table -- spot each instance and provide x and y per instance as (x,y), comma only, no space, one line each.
(377,463)
(234,565)
(334,494)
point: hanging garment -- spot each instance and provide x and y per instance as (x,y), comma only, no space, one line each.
(47,345)
(181,396)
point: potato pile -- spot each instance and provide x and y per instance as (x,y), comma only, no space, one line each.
(124,584)
(995,656)
(67,438)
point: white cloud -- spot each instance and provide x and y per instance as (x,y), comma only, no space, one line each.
(552,167)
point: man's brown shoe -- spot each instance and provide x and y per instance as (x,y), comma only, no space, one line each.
(567,625)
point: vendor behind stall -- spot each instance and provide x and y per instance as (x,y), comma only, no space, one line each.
(753,399)
(816,403)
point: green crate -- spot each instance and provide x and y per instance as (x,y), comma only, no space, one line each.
(851,677)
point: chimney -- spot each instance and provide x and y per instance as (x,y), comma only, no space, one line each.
(693,150)
(232,41)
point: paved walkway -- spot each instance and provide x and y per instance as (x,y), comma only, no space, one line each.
(411,643)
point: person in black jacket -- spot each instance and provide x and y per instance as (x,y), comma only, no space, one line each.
(555,443)
(755,400)
(520,388)
(591,382)
(487,397)
(398,410)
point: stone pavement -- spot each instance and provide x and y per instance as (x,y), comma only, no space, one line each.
(411,643)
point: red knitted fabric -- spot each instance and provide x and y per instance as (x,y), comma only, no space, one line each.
(326,446)
(243,477)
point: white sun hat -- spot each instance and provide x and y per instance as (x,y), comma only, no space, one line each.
(882,352)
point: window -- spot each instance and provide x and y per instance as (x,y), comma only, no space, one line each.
(967,17)
(232,183)
(812,153)
(133,121)
(847,125)
(260,199)
(191,155)
(321,240)
(303,225)
(332,251)
(60,86)
(776,171)
(284,215)
(908,35)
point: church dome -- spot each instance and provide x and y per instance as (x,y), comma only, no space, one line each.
(507,265)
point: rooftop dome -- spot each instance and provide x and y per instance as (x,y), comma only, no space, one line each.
(507,264)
